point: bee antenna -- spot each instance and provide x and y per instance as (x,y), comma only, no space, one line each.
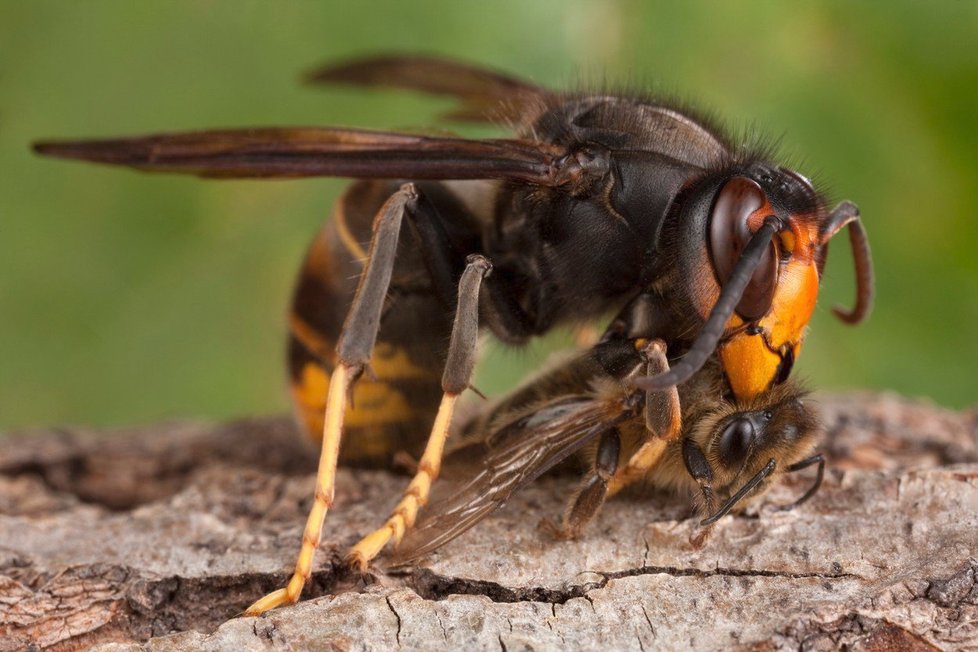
(804,464)
(743,491)
(706,342)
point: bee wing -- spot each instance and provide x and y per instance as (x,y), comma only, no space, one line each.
(483,93)
(318,152)
(512,456)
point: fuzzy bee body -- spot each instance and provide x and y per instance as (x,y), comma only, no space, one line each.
(562,414)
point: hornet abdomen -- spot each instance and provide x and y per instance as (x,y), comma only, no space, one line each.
(393,408)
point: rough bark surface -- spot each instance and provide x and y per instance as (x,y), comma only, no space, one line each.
(154,538)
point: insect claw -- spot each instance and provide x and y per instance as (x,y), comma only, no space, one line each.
(547,526)
(274,599)
(698,538)
(356,561)
(404,460)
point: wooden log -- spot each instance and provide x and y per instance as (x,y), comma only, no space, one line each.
(155,538)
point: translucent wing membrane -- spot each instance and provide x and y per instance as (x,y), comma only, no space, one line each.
(483,94)
(318,152)
(512,456)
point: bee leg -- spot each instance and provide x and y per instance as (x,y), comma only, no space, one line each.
(456,378)
(663,421)
(819,459)
(354,349)
(699,469)
(593,490)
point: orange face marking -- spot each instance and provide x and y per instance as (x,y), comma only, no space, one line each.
(751,360)
(749,364)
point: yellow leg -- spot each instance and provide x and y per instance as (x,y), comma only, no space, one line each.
(455,379)
(339,387)
(416,494)
(663,421)
(639,464)
(354,351)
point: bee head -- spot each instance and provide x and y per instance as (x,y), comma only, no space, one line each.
(747,447)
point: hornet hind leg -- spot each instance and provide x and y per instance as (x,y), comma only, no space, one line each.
(457,376)
(353,353)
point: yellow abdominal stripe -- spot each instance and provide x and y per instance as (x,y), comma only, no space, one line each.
(375,402)
(391,362)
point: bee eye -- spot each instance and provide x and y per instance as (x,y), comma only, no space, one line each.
(735,441)
(737,200)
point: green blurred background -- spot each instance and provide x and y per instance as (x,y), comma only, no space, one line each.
(127,298)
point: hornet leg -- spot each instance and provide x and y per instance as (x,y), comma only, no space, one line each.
(458,373)
(353,351)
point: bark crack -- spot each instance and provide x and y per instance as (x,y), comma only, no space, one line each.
(433,586)
(397,635)
(649,621)
(677,571)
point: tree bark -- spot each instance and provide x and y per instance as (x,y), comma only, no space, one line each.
(154,538)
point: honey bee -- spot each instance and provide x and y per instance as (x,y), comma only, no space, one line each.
(722,453)
(602,204)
